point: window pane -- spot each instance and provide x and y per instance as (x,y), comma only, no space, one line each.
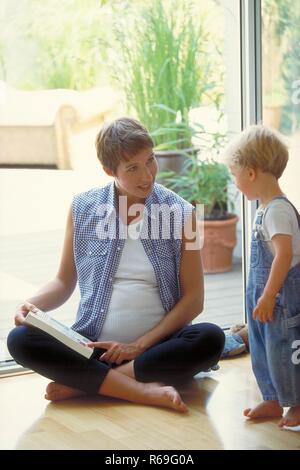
(281,82)
(224,290)
(58,84)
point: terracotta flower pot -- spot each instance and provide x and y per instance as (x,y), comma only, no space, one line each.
(219,242)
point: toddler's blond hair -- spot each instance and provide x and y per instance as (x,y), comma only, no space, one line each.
(260,147)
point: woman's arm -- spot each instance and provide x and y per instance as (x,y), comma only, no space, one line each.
(57,291)
(279,270)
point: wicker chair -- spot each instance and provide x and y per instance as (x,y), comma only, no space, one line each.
(36,127)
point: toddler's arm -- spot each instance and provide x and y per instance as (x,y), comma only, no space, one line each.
(280,267)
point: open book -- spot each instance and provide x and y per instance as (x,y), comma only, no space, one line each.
(61,332)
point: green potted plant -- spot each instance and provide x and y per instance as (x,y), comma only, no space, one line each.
(205,181)
(165,70)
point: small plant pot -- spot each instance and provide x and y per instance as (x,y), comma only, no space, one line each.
(219,242)
(173,160)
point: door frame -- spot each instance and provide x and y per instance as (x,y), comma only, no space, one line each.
(251,96)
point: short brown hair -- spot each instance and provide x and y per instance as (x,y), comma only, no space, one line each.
(258,147)
(120,139)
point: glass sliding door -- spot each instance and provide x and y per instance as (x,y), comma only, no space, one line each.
(224,290)
(281,82)
(35,198)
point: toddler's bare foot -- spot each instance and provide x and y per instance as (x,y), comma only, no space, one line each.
(56,391)
(266,409)
(237,328)
(165,396)
(243,333)
(292,417)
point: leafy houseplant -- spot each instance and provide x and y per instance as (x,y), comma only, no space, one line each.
(205,182)
(165,70)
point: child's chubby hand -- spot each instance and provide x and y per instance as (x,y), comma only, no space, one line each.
(264,308)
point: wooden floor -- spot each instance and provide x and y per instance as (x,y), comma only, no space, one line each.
(214,421)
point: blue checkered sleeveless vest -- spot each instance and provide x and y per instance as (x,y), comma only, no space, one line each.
(98,246)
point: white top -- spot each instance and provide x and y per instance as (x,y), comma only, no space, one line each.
(280,218)
(135,306)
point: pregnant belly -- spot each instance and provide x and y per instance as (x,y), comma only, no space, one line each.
(134,309)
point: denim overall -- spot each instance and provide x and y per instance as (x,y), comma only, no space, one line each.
(274,345)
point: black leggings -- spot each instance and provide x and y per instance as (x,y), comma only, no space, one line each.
(192,349)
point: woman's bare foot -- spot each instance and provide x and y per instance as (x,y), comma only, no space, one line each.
(56,391)
(292,417)
(266,409)
(153,394)
(156,394)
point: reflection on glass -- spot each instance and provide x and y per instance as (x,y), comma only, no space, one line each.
(281,81)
